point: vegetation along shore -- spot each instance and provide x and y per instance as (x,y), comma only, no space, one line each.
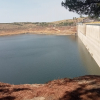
(63,27)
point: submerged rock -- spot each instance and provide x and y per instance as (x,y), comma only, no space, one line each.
(81,88)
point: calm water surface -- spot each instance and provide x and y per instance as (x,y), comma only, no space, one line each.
(40,58)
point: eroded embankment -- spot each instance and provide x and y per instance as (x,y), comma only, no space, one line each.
(81,88)
(10,29)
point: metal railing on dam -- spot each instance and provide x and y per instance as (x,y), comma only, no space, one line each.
(90,36)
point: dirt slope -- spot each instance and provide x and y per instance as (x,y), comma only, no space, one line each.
(64,27)
(81,88)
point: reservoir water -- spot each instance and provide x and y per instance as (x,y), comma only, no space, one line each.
(29,59)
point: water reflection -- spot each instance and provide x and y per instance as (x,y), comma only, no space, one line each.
(73,38)
(87,60)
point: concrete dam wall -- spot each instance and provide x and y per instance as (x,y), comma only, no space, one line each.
(90,36)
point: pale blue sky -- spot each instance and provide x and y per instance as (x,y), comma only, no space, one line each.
(33,11)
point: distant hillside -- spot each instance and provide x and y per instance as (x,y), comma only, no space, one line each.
(63,27)
(68,22)
(72,22)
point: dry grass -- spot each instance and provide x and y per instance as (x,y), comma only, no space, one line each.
(68,20)
(63,27)
(9,29)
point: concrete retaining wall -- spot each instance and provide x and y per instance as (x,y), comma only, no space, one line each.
(90,36)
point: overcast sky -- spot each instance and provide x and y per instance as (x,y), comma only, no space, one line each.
(33,11)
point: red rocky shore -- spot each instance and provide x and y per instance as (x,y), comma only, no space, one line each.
(81,88)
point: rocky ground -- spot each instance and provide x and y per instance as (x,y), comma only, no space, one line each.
(81,88)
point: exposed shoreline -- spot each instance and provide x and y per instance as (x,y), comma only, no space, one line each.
(81,88)
(1,35)
(10,29)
